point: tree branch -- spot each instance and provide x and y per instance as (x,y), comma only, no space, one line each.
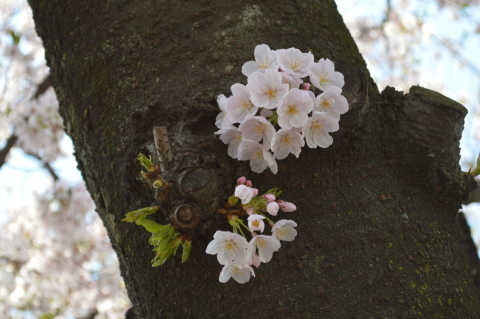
(47,166)
(42,87)
(4,152)
(473,196)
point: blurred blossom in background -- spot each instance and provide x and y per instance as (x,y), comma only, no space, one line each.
(55,258)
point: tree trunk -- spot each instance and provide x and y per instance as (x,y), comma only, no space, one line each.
(375,211)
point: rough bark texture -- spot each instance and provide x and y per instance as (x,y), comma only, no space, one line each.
(376,210)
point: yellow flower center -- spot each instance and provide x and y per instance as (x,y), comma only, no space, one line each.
(270,92)
(261,243)
(294,64)
(286,139)
(236,271)
(228,247)
(292,110)
(264,65)
(282,232)
(244,104)
(317,127)
(323,80)
(255,223)
(328,103)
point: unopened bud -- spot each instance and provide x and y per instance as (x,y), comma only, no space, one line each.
(158,184)
(146,162)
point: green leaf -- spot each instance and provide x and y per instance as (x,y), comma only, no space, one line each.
(187,247)
(146,162)
(140,214)
(152,226)
(274,191)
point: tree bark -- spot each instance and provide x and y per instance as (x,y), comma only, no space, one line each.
(376,210)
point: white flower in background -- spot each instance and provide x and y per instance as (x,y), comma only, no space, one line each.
(240,271)
(267,89)
(293,112)
(283,230)
(285,142)
(292,81)
(317,128)
(228,247)
(39,127)
(245,193)
(266,245)
(324,76)
(258,155)
(233,137)
(332,102)
(238,106)
(255,222)
(256,129)
(295,62)
(264,59)
(221,121)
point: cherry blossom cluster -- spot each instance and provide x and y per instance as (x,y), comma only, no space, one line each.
(233,251)
(276,96)
(39,126)
(58,261)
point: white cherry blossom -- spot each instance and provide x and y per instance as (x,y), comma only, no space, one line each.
(285,142)
(332,102)
(293,112)
(266,245)
(295,62)
(264,59)
(283,230)
(240,271)
(233,137)
(256,129)
(228,247)
(317,128)
(258,155)
(239,106)
(221,121)
(292,81)
(245,193)
(324,76)
(255,222)
(267,89)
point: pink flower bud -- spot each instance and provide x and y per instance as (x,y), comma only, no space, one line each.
(249,210)
(241,181)
(255,192)
(306,86)
(272,208)
(248,183)
(255,260)
(269,197)
(287,207)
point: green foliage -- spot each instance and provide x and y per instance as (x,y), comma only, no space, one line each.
(139,215)
(146,162)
